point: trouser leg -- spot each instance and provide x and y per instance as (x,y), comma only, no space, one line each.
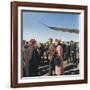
(50,68)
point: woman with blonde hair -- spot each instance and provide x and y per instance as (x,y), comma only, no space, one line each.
(59,50)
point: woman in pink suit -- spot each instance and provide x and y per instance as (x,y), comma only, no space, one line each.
(59,50)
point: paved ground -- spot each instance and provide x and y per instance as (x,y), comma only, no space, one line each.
(69,69)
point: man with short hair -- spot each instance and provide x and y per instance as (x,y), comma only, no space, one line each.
(51,56)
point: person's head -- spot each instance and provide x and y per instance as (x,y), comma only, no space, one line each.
(68,43)
(57,42)
(26,43)
(71,42)
(33,43)
(50,40)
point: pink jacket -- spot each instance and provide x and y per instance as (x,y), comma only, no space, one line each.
(59,69)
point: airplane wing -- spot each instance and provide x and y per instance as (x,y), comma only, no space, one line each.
(76,31)
(65,29)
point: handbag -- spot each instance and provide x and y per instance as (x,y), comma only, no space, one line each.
(57,61)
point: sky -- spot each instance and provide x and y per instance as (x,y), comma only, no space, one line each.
(32,28)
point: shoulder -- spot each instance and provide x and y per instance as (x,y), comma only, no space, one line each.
(59,47)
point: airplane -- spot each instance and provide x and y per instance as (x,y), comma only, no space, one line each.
(76,31)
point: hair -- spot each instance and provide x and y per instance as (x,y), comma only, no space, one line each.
(71,40)
(26,42)
(50,39)
(58,40)
(32,41)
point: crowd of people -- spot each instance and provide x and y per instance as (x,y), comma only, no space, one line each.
(54,51)
(71,52)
